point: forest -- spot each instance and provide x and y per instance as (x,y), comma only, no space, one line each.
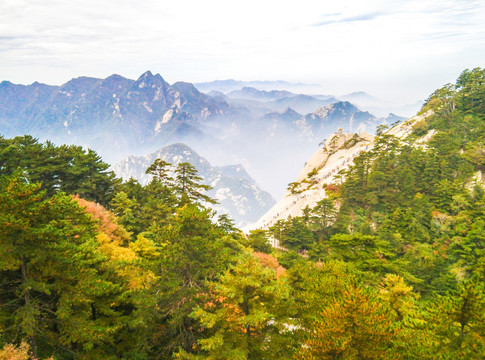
(390,266)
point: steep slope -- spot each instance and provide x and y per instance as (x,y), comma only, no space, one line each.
(118,117)
(110,115)
(290,135)
(340,114)
(323,169)
(237,193)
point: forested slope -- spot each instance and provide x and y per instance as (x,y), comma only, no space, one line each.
(389,266)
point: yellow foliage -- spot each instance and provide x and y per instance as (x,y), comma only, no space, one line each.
(144,247)
(114,251)
(399,295)
(113,238)
(21,352)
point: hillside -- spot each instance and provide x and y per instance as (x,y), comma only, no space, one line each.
(382,257)
(327,166)
(237,193)
(322,169)
(118,117)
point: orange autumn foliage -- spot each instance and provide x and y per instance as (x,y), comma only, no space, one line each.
(113,242)
(106,220)
(270,262)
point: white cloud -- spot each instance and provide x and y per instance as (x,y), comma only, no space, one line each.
(396,48)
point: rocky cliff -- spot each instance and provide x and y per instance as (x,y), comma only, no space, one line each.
(324,168)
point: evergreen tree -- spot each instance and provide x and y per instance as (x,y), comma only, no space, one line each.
(195,251)
(70,169)
(355,326)
(188,187)
(245,314)
(160,170)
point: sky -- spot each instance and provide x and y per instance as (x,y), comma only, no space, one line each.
(394,49)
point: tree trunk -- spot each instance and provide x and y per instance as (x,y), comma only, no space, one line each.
(27,302)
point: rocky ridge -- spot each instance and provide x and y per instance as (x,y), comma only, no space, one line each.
(118,117)
(323,169)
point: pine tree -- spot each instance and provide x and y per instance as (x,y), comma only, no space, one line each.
(188,187)
(193,250)
(160,170)
(324,215)
(245,314)
(40,240)
(356,326)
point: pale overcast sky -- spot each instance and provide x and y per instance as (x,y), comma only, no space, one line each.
(397,49)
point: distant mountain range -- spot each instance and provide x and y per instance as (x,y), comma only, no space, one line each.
(229,85)
(323,168)
(237,193)
(279,100)
(115,112)
(271,132)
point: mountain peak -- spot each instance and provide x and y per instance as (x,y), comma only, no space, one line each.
(115,77)
(359,96)
(148,79)
(178,147)
(338,106)
(146,74)
(289,110)
(237,193)
(185,87)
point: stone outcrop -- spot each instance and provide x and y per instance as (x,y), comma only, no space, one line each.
(323,169)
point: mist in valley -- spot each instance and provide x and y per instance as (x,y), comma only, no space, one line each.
(271,130)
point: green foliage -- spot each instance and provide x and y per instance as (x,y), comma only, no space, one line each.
(243,314)
(258,240)
(70,169)
(322,217)
(55,288)
(389,266)
(195,251)
(160,170)
(187,185)
(312,173)
(355,326)
(293,234)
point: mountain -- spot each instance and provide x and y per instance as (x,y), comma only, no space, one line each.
(125,114)
(381,107)
(250,93)
(237,193)
(288,115)
(279,100)
(359,97)
(301,103)
(119,117)
(323,167)
(393,118)
(229,85)
(201,105)
(322,122)
(343,115)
